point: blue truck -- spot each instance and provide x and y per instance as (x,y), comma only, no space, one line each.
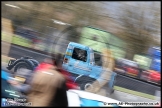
(84,64)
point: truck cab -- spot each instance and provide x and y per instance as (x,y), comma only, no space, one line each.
(84,64)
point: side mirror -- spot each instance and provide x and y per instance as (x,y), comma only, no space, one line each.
(70,47)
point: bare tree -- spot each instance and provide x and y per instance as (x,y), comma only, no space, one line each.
(138,28)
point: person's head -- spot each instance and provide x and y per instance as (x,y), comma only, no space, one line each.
(58,60)
(55,59)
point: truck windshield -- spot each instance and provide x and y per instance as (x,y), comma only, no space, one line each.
(79,54)
(98,59)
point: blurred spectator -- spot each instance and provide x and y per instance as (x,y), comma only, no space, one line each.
(48,87)
(69,79)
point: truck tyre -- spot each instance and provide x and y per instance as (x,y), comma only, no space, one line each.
(85,84)
(110,88)
(22,65)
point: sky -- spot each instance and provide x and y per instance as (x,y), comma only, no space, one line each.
(114,8)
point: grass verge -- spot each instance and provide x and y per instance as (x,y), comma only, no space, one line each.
(134,92)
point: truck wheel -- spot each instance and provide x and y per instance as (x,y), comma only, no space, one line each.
(87,86)
(85,82)
(111,88)
(21,65)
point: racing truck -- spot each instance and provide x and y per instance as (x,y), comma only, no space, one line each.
(83,63)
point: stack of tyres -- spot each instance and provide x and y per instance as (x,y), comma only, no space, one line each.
(155,54)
